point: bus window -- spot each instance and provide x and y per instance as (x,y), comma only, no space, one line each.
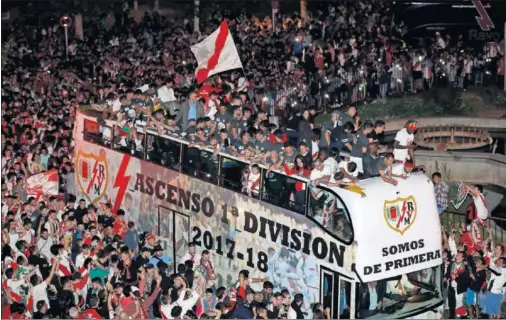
(401,295)
(284,191)
(200,163)
(163,151)
(128,140)
(327,209)
(234,175)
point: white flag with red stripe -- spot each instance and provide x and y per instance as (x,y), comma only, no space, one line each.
(216,53)
(45,183)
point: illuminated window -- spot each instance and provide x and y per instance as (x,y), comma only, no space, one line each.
(327,209)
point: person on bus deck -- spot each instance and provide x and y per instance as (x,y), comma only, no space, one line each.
(370,161)
(305,153)
(171,127)
(243,143)
(479,202)
(371,298)
(376,134)
(360,144)
(384,167)
(236,123)
(287,157)
(253,187)
(403,145)
(262,145)
(404,169)
(349,169)
(191,109)
(328,161)
(320,173)
(350,116)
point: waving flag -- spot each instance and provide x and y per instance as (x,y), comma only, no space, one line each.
(45,183)
(216,53)
(460,196)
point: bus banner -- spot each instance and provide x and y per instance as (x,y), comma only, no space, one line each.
(239,232)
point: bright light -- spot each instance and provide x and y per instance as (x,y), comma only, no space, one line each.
(265,99)
(326,95)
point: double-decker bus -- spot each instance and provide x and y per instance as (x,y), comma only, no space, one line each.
(349,248)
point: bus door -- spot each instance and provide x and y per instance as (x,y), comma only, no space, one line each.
(329,291)
(336,294)
(174,232)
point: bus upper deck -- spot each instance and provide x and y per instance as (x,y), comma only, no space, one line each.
(394,230)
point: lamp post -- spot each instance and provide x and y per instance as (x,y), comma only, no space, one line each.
(66,22)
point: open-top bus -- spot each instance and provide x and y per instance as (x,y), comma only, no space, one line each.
(337,246)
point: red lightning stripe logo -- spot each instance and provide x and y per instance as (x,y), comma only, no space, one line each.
(402,215)
(93,177)
(483,19)
(121,182)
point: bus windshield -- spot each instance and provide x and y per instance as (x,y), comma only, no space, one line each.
(401,296)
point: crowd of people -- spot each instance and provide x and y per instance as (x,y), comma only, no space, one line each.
(64,258)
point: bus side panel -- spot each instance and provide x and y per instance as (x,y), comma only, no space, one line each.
(240,232)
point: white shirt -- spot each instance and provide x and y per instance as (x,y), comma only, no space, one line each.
(468,66)
(188,256)
(405,139)
(344,165)
(252,178)
(116,105)
(81,258)
(481,207)
(332,165)
(166,94)
(44,247)
(184,304)
(398,169)
(498,280)
(317,174)
(15,285)
(292,314)
(39,293)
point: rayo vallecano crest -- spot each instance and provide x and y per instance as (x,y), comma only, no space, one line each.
(92,174)
(400,214)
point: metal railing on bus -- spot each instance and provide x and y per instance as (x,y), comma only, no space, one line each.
(281,196)
(451,221)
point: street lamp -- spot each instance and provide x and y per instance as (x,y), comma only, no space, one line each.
(66,22)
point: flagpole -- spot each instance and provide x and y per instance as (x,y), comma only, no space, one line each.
(196,16)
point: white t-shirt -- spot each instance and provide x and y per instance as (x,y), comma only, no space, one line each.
(116,105)
(15,285)
(166,94)
(481,206)
(40,293)
(317,174)
(398,169)
(44,247)
(344,165)
(252,178)
(405,139)
(331,164)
